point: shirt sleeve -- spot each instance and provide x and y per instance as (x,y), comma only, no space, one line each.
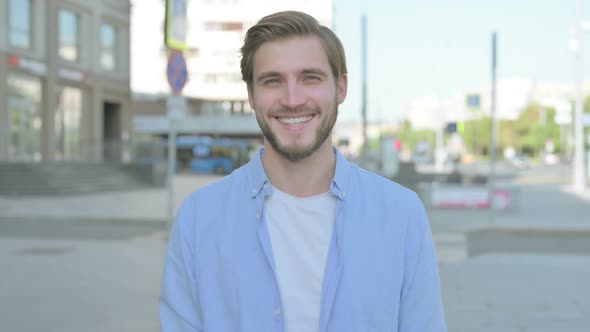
(177,303)
(421,308)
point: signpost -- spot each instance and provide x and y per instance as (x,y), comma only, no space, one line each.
(176,103)
(176,108)
(177,74)
(493,126)
(473,101)
(175,25)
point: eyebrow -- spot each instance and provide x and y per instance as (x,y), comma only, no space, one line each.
(315,71)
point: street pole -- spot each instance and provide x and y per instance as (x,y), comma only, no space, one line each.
(171,170)
(579,181)
(364,79)
(176,108)
(493,126)
(439,150)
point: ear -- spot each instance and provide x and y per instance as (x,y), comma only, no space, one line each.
(342,88)
(250,96)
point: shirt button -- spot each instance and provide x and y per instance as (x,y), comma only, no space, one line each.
(277,311)
(258,216)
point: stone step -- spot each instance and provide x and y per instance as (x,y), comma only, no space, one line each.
(65,178)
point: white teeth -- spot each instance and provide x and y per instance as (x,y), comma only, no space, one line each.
(294,121)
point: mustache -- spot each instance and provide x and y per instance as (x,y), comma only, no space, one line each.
(292,111)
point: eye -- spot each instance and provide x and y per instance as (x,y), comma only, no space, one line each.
(271,81)
(312,78)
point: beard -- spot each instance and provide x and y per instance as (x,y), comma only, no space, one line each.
(296,153)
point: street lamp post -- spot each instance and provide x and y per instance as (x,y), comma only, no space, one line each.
(579,176)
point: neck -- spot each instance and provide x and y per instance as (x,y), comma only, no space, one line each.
(304,178)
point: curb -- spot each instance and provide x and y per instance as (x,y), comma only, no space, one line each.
(86,219)
(538,230)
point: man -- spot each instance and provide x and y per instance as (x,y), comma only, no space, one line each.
(299,239)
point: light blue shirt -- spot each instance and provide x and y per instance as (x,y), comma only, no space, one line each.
(381,272)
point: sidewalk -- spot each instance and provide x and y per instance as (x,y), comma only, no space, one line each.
(544,213)
(495,291)
(541,208)
(141,206)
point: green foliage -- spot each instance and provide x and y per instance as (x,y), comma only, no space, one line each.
(534,127)
(527,134)
(410,138)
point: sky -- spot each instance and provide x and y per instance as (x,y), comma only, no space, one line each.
(437,48)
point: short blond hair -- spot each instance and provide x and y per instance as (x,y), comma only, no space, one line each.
(287,24)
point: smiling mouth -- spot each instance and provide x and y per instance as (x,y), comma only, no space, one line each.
(295,121)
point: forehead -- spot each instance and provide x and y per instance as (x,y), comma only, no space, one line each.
(291,55)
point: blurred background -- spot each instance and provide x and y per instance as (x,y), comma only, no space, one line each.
(112,112)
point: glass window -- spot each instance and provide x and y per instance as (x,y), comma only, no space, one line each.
(19,26)
(24,109)
(108,42)
(68,116)
(68,35)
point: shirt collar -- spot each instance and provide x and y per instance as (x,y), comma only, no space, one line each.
(342,174)
(256,174)
(258,179)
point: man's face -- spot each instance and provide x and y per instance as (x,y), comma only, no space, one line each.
(295,95)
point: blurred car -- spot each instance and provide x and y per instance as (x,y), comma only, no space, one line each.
(422,159)
(550,159)
(519,161)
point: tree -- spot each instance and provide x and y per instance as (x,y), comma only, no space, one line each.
(476,135)
(410,137)
(534,126)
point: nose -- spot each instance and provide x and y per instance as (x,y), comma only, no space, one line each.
(293,95)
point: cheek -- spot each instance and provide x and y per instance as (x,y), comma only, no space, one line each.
(263,102)
(323,96)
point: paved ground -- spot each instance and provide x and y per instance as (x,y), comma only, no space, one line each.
(523,292)
(143,206)
(66,269)
(106,278)
(98,280)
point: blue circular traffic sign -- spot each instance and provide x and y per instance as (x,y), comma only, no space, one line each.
(176,72)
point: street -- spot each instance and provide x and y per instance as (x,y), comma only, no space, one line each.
(496,273)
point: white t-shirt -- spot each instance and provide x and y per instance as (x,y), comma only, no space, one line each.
(300,231)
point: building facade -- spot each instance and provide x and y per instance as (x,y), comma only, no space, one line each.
(65,80)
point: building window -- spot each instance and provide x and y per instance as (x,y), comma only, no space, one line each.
(19,26)
(68,120)
(108,43)
(24,109)
(69,25)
